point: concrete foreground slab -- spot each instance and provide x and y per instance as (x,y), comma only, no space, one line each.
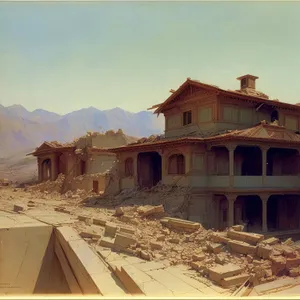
(24,243)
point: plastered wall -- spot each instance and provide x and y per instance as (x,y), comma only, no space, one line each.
(212,113)
(100,163)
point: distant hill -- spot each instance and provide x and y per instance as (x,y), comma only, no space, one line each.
(21,130)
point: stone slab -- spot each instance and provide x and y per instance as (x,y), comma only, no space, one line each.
(86,264)
(171,282)
(242,247)
(220,272)
(24,243)
(251,238)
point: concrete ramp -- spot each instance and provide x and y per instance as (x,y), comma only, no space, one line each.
(37,258)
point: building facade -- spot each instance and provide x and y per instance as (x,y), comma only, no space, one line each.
(237,150)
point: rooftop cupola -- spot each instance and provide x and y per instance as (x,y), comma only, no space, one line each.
(247,81)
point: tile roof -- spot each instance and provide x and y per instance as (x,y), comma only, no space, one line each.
(262,132)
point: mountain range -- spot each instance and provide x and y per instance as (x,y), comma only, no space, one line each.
(22,130)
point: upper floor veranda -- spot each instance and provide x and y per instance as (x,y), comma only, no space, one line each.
(262,157)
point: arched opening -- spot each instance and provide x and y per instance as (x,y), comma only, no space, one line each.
(149,169)
(176,164)
(248,212)
(274,116)
(82,167)
(248,161)
(283,212)
(46,170)
(129,167)
(282,162)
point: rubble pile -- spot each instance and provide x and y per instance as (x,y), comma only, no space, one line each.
(173,198)
(152,138)
(49,186)
(5,182)
(228,258)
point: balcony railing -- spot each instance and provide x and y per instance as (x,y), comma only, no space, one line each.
(284,182)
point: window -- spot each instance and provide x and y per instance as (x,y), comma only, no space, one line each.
(176,164)
(129,167)
(274,116)
(244,83)
(187,117)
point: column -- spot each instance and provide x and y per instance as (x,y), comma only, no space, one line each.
(40,169)
(264,200)
(230,212)
(231,149)
(264,151)
(54,167)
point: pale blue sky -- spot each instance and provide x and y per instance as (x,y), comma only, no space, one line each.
(66,56)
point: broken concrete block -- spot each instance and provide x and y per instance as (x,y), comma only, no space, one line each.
(234,280)
(156,245)
(129,219)
(292,262)
(145,255)
(289,241)
(220,272)
(90,234)
(18,207)
(288,251)
(148,210)
(238,227)
(197,265)
(174,240)
(271,241)
(198,257)
(126,229)
(242,247)
(161,237)
(119,212)
(220,259)
(107,242)
(251,238)
(123,240)
(264,251)
(110,229)
(278,264)
(99,222)
(219,237)
(179,224)
(214,247)
(83,218)
(294,272)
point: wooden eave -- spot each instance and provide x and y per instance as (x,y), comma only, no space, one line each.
(238,96)
(155,145)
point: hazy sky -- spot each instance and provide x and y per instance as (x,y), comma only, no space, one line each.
(66,56)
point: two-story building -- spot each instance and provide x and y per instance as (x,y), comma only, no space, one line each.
(237,150)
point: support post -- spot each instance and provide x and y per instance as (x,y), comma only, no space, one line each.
(264,200)
(231,199)
(231,149)
(54,167)
(40,169)
(264,151)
